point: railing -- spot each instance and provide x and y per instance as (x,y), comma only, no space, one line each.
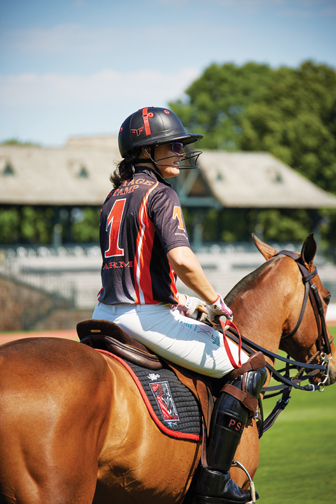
(73,272)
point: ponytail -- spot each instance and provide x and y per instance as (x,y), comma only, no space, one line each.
(125,168)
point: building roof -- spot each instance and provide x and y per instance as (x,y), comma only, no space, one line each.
(75,175)
(78,175)
(259,180)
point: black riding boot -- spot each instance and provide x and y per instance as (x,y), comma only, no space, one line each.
(229,418)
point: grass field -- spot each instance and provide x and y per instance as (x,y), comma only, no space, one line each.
(298,454)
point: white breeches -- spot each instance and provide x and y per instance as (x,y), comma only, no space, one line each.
(179,339)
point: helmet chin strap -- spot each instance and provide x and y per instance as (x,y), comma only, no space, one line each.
(192,156)
(151,159)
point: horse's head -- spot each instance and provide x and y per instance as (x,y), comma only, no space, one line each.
(305,336)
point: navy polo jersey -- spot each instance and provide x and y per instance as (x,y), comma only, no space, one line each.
(140,222)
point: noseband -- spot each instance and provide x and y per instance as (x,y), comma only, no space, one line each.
(315,299)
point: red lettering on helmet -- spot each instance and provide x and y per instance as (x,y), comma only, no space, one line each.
(146,121)
(137,132)
(166,111)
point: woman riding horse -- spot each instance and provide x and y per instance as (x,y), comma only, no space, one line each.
(144,245)
(74,428)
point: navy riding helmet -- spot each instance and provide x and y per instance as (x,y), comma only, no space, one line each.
(153,126)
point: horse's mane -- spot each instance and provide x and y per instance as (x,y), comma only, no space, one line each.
(247,280)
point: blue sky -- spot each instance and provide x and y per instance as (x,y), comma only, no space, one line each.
(79,67)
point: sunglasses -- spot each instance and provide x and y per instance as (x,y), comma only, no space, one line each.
(177,148)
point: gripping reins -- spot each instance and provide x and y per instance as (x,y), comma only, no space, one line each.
(287,382)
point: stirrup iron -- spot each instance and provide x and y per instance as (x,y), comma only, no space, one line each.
(235,463)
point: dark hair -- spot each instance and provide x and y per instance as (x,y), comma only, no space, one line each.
(125,168)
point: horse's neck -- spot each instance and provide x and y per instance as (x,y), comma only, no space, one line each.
(259,310)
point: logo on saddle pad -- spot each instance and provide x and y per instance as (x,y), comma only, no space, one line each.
(165,400)
(153,376)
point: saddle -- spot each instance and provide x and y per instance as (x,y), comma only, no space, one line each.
(105,335)
(108,336)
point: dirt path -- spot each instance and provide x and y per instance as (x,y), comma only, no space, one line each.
(12,336)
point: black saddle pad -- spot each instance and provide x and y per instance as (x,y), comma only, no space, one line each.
(171,404)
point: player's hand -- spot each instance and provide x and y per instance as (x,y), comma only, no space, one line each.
(192,307)
(218,309)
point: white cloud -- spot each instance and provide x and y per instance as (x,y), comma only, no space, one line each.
(112,42)
(65,38)
(103,87)
(49,108)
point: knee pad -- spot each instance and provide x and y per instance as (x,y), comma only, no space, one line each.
(253,381)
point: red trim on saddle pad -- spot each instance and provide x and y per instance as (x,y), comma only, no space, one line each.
(160,425)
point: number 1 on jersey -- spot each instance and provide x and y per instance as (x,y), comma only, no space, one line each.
(113,226)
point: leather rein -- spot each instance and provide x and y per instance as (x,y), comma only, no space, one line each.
(323,344)
(315,299)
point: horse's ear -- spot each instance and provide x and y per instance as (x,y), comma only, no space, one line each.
(309,250)
(266,250)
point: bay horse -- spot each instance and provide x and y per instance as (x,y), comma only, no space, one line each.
(74,428)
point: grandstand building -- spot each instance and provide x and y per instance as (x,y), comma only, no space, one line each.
(77,175)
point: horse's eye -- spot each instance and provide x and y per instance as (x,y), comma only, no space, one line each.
(327,299)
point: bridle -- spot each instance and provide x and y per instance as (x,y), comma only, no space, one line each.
(323,345)
(315,299)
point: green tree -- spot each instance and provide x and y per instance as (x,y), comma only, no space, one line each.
(87,229)
(288,112)
(217,102)
(9,225)
(36,224)
(14,141)
(287,225)
(294,118)
(25,225)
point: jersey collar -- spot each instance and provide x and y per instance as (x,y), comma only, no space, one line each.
(151,172)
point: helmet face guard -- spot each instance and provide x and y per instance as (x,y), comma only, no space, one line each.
(153,126)
(190,158)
